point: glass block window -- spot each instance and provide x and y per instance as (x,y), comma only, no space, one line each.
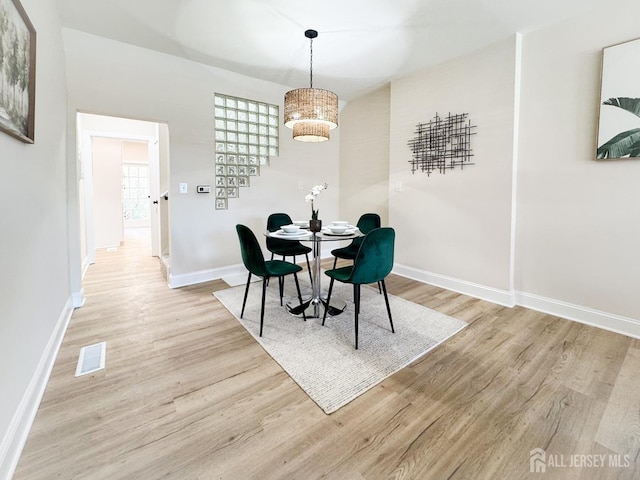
(246,136)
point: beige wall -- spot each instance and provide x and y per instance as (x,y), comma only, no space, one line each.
(578,218)
(457,226)
(107,191)
(364,156)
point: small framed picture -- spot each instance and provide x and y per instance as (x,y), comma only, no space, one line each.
(231,160)
(243,170)
(232,170)
(221,192)
(221,203)
(254,171)
(221,181)
(220,158)
(242,160)
(221,170)
(232,181)
(232,192)
(243,181)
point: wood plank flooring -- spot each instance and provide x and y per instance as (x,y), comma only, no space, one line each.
(188,394)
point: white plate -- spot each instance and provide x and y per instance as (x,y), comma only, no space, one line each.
(300,233)
(346,233)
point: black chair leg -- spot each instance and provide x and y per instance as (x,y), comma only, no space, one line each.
(335,261)
(379,288)
(267,278)
(281,286)
(295,277)
(357,300)
(386,299)
(246,291)
(264,291)
(326,305)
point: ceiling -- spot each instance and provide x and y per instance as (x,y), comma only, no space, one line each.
(362,44)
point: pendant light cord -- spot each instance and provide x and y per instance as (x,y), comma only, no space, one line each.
(311,62)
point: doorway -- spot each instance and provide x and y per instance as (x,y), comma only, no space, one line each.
(120,184)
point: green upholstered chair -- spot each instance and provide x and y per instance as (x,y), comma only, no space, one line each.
(285,248)
(372,264)
(254,262)
(366,223)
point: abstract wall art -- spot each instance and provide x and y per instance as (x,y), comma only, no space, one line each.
(442,144)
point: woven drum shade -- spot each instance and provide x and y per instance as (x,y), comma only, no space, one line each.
(311,113)
(311,132)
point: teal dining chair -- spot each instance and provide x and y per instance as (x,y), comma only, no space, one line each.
(285,248)
(254,261)
(366,223)
(372,263)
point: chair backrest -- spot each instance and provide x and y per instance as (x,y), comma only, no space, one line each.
(368,222)
(276,220)
(374,260)
(251,253)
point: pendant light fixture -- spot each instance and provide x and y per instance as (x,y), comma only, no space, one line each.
(311,112)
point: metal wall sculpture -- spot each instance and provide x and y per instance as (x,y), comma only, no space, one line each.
(442,144)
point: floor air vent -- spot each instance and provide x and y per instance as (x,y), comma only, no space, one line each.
(92,358)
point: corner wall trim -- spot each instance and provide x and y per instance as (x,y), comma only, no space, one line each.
(494,295)
(18,431)
(185,279)
(192,278)
(588,316)
(577,313)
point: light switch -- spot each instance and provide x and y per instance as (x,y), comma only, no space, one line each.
(183,188)
(398,186)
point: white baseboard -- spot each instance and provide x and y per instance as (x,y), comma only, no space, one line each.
(185,279)
(596,318)
(78,298)
(18,431)
(494,295)
(231,271)
(588,316)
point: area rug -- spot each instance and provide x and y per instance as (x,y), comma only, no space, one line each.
(322,360)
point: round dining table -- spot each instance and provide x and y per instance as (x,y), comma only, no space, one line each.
(311,304)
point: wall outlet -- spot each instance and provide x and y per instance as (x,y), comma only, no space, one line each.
(183,188)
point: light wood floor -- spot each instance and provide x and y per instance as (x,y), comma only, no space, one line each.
(188,394)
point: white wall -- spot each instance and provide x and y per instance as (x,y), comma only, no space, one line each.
(578,218)
(457,226)
(34,259)
(160,87)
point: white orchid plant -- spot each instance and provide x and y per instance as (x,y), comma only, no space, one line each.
(315,191)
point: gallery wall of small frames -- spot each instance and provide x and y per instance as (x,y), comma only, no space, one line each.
(246,136)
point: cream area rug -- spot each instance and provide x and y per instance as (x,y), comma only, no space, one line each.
(323,360)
